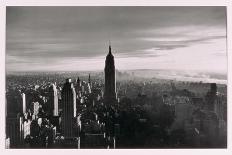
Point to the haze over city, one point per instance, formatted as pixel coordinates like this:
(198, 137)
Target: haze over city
(59, 38)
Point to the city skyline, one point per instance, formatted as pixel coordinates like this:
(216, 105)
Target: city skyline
(58, 38)
(96, 113)
(116, 77)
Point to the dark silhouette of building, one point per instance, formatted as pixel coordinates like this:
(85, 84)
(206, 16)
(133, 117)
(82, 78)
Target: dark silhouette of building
(89, 80)
(14, 130)
(213, 89)
(110, 83)
(78, 85)
(78, 81)
(211, 97)
(68, 109)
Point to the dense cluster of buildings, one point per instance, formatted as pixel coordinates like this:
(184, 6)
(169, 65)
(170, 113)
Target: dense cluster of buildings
(93, 114)
(203, 119)
(76, 115)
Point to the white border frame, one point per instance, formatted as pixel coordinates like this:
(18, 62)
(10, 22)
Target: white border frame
(4, 3)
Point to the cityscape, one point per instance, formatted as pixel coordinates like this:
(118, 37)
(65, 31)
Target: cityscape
(111, 107)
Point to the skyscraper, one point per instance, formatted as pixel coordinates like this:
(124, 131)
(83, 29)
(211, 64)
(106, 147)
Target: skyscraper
(53, 100)
(78, 82)
(69, 109)
(89, 79)
(211, 97)
(110, 83)
(24, 102)
(213, 89)
(89, 85)
(14, 130)
(78, 86)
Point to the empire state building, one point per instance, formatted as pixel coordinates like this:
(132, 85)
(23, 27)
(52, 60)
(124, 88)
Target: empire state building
(110, 83)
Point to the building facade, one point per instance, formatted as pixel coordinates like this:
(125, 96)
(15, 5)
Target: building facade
(110, 79)
(24, 103)
(53, 100)
(68, 109)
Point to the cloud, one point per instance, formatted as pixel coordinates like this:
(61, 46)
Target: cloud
(56, 38)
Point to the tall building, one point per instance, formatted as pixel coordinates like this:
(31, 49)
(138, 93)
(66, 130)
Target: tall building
(89, 85)
(53, 100)
(213, 89)
(24, 102)
(211, 97)
(89, 80)
(14, 131)
(78, 87)
(69, 109)
(78, 82)
(110, 82)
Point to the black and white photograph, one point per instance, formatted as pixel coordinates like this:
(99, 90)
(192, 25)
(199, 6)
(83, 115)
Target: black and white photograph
(116, 77)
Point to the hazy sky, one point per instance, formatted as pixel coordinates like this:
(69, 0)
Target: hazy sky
(76, 38)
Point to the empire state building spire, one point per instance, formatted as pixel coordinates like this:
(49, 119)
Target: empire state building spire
(110, 83)
(110, 47)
